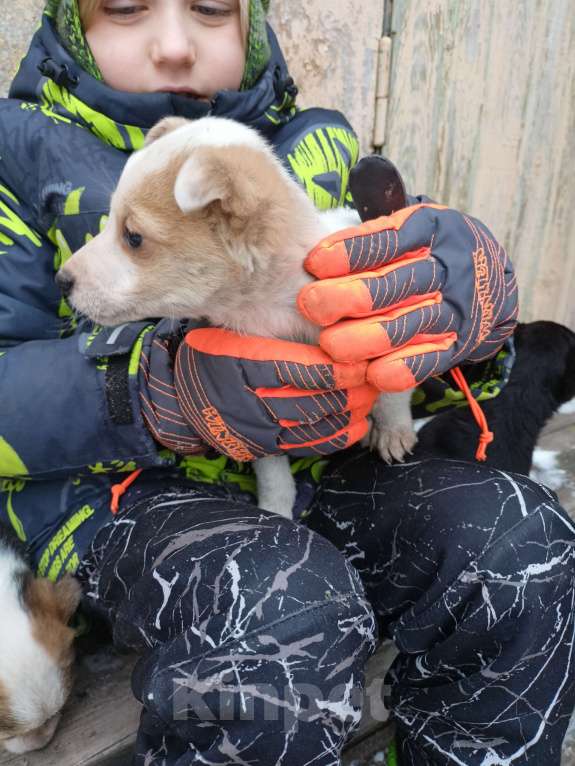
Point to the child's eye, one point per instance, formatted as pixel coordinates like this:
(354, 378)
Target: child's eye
(210, 10)
(125, 10)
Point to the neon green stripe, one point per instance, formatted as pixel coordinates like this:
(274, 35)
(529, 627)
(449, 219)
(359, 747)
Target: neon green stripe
(9, 194)
(137, 351)
(272, 119)
(137, 136)
(16, 225)
(72, 204)
(319, 153)
(10, 486)
(17, 525)
(99, 124)
(10, 462)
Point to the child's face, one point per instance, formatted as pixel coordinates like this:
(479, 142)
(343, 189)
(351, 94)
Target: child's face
(169, 45)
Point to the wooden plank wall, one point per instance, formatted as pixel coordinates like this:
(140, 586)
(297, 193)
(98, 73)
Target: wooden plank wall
(331, 47)
(482, 117)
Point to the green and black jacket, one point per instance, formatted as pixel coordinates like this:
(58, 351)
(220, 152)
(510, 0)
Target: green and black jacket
(70, 422)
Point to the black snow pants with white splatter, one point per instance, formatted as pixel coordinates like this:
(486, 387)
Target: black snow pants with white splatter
(254, 630)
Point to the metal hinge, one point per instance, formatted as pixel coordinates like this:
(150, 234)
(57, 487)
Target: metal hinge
(383, 77)
(382, 91)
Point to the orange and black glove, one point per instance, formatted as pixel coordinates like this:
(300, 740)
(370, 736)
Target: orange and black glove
(415, 293)
(249, 397)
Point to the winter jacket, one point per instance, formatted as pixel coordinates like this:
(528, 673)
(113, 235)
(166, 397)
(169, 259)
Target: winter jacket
(70, 421)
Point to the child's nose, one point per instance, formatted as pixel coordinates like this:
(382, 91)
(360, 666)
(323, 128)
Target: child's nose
(172, 44)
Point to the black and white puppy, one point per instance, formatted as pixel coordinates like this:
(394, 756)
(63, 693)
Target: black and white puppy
(36, 649)
(542, 379)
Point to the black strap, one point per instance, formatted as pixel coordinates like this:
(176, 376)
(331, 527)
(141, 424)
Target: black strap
(118, 390)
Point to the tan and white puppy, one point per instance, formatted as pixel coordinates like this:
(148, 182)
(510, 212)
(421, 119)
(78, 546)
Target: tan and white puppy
(36, 650)
(205, 222)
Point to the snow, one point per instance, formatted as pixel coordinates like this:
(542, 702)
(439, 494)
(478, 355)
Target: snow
(546, 469)
(568, 408)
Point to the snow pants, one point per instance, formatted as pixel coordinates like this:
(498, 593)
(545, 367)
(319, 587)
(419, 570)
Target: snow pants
(254, 630)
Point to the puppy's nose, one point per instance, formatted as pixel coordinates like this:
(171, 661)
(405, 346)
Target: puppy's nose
(65, 282)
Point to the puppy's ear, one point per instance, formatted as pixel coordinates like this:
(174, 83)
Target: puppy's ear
(235, 178)
(163, 127)
(201, 180)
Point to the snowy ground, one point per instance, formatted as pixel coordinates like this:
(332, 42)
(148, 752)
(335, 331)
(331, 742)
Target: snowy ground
(547, 469)
(569, 408)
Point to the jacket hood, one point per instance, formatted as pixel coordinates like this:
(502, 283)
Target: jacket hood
(50, 77)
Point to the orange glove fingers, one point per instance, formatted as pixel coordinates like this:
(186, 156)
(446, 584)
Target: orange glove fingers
(379, 335)
(277, 363)
(396, 285)
(370, 244)
(218, 342)
(410, 366)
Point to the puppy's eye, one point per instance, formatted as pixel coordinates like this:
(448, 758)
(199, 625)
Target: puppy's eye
(133, 239)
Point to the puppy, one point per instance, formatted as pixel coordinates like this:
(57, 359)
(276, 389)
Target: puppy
(542, 379)
(206, 223)
(36, 649)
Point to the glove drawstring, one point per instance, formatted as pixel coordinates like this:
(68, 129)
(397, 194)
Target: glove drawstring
(486, 436)
(119, 489)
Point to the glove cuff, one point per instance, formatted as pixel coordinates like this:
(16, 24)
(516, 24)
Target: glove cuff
(158, 397)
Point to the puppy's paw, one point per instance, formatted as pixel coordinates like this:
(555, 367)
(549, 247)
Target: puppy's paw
(392, 443)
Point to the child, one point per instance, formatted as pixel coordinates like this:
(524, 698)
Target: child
(254, 630)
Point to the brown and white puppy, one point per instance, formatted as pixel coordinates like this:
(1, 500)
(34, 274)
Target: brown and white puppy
(36, 650)
(206, 223)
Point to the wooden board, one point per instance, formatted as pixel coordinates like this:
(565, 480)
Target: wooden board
(481, 116)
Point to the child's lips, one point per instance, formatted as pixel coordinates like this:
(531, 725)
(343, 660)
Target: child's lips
(189, 92)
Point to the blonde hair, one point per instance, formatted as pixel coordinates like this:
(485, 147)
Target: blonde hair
(87, 10)
(89, 7)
